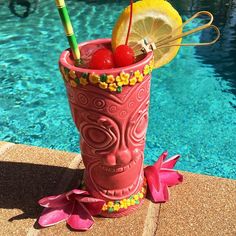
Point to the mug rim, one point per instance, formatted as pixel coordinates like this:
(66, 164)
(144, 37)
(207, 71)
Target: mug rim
(64, 55)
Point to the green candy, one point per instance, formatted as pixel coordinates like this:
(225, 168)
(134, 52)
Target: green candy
(103, 78)
(119, 89)
(85, 75)
(110, 209)
(77, 80)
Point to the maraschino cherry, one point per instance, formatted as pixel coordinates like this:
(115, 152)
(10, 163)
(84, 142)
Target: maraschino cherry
(102, 59)
(124, 56)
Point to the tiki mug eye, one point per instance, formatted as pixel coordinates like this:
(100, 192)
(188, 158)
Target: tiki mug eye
(101, 134)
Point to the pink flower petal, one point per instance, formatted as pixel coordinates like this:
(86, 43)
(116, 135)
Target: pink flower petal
(54, 201)
(170, 177)
(75, 192)
(80, 218)
(159, 162)
(152, 176)
(52, 216)
(170, 163)
(159, 196)
(93, 205)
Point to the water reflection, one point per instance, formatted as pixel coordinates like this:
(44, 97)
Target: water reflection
(221, 55)
(22, 8)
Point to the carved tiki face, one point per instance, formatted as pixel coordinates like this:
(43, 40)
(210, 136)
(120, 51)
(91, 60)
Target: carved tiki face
(112, 130)
(112, 137)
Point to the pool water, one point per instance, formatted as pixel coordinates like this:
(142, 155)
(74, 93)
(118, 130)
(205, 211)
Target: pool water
(192, 109)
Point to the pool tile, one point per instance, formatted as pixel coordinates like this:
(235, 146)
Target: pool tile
(37, 155)
(27, 174)
(132, 225)
(4, 147)
(202, 205)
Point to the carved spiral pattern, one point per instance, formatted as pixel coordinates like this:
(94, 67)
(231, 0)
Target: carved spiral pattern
(82, 99)
(138, 131)
(141, 94)
(99, 103)
(123, 114)
(112, 108)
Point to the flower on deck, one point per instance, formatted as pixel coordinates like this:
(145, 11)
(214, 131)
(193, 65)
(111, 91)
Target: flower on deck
(75, 207)
(94, 78)
(160, 176)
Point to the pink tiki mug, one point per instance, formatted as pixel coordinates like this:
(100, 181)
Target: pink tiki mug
(110, 111)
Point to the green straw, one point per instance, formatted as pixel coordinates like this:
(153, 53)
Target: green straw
(65, 19)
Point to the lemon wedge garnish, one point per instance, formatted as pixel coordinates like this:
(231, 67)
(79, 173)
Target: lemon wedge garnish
(152, 20)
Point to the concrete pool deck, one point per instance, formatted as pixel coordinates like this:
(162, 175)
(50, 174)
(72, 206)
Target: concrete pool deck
(202, 205)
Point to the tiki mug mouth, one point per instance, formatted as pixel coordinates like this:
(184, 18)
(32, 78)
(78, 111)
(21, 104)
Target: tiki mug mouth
(117, 182)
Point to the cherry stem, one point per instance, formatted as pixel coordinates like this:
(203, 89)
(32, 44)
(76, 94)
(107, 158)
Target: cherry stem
(130, 21)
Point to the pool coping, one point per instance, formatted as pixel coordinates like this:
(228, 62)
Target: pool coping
(202, 205)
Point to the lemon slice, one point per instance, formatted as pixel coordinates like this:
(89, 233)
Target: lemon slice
(152, 20)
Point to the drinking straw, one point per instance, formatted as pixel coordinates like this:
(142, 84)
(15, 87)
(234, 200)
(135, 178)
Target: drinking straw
(130, 21)
(65, 19)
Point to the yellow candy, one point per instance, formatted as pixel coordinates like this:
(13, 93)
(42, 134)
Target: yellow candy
(110, 204)
(132, 202)
(94, 78)
(133, 81)
(124, 76)
(137, 73)
(112, 87)
(116, 207)
(140, 78)
(136, 197)
(146, 70)
(151, 65)
(141, 195)
(72, 74)
(103, 85)
(128, 202)
(123, 201)
(83, 81)
(119, 81)
(110, 79)
(73, 83)
(104, 208)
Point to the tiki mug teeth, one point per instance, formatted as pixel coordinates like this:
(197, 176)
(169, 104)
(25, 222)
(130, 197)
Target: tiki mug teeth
(110, 111)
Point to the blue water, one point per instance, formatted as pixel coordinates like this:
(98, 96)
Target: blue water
(192, 108)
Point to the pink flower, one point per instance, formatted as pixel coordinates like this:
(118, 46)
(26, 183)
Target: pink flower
(160, 176)
(75, 207)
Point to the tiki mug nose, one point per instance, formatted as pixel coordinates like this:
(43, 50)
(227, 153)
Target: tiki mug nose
(123, 157)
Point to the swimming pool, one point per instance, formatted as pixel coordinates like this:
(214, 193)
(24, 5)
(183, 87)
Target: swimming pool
(192, 109)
